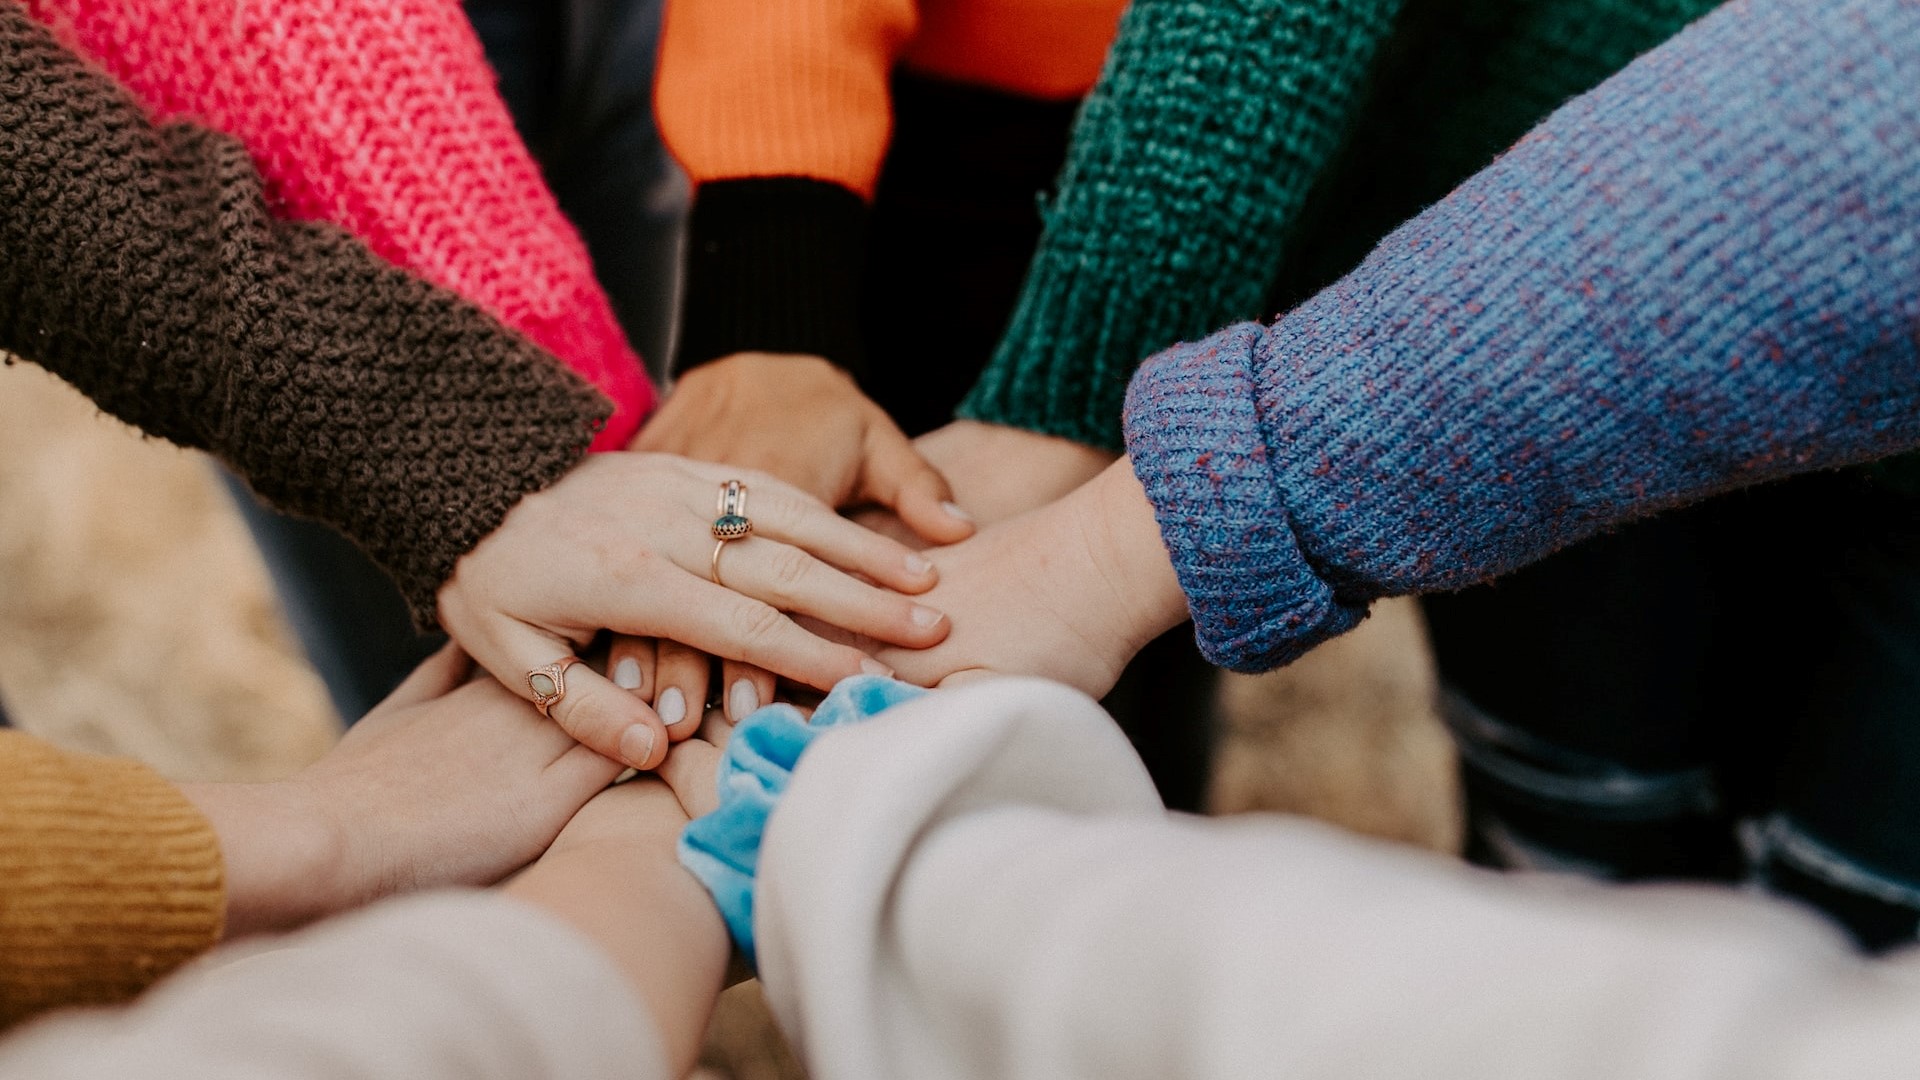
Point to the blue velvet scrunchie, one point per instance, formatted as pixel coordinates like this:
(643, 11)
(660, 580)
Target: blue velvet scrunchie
(722, 848)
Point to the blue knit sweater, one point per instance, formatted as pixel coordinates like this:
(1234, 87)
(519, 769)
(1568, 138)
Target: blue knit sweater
(1701, 275)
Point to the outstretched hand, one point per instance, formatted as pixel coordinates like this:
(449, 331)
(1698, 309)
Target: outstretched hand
(623, 543)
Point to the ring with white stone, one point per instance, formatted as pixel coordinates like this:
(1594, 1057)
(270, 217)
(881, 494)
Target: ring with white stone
(549, 684)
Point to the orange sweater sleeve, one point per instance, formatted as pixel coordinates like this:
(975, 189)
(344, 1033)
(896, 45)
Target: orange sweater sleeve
(755, 88)
(109, 878)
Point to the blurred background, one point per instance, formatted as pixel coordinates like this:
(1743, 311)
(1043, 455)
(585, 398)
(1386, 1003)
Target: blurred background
(136, 618)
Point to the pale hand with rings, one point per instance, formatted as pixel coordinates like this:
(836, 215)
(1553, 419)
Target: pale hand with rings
(622, 543)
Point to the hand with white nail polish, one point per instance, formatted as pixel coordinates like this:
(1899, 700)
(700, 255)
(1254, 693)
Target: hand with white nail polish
(624, 543)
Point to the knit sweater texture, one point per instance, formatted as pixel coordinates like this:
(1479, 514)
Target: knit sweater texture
(143, 266)
(109, 878)
(1702, 275)
(380, 116)
(1197, 177)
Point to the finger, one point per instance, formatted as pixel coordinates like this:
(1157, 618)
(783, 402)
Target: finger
(790, 579)
(437, 676)
(782, 512)
(598, 714)
(690, 772)
(716, 728)
(746, 688)
(897, 476)
(681, 673)
(630, 664)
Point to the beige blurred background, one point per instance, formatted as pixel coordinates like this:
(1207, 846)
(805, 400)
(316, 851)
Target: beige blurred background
(136, 618)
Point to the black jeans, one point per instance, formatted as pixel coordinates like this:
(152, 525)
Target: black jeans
(1727, 692)
(578, 78)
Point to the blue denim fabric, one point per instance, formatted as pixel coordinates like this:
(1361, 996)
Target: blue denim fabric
(578, 77)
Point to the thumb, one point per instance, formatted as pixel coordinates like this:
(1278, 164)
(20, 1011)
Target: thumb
(896, 476)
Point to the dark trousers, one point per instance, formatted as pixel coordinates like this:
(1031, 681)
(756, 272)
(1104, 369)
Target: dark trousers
(1727, 692)
(578, 78)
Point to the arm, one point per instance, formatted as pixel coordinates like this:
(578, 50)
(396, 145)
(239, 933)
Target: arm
(1696, 277)
(381, 117)
(110, 877)
(602, 959)
(143, 267)
(982, 883)
(1189, 165)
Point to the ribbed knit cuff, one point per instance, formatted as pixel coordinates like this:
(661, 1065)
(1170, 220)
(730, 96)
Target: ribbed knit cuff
(109, 879)
(774, 265)
(1194, 433)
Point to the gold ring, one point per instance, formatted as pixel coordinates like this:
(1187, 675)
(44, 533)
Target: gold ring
(732, 524)
(549, 684)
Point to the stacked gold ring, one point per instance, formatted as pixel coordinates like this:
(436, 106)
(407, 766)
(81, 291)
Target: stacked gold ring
(732, 524)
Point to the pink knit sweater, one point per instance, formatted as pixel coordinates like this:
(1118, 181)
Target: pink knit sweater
(380, 116)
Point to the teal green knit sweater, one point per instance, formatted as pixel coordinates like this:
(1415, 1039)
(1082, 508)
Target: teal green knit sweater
(1226, 133)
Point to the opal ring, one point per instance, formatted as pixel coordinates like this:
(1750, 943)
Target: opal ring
(549, 684)
(732, 524)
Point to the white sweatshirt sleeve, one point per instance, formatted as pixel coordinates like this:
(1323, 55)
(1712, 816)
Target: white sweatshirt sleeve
(981, 883)
(447, 986)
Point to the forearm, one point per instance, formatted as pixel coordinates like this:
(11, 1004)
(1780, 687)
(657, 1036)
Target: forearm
(282, 860)
(649, 917)
(1694, 278)
(143, 267)
(1163, 229)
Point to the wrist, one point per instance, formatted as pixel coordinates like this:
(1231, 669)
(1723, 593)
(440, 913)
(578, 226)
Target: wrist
(284, 855)
(1128, 558)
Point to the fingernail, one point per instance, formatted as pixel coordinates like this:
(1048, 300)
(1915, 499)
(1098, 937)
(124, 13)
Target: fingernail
(918, 564)
(636, 745)
(953, 510)
(672, 706)
(925, 616)
(626, 674)
(875, 667)
(742, 699)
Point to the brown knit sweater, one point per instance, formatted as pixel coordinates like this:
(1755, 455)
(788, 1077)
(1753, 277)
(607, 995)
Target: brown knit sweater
(109, 878)
(140, 264)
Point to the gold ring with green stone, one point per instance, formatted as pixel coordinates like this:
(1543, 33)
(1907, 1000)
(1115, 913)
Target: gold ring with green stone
(549, 684)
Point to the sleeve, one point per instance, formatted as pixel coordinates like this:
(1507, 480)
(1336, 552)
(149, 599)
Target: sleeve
(1188, 166)
(779, 110)
(381, 117)
(109, 879)
(143, 267)
(449, 986)
(1696, 277)
(981, 883)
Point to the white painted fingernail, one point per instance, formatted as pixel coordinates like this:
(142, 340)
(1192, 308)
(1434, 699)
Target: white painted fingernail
(954, 510)
(925, 616)
(672, 706)
(742, 699)
(918, 564)
(636, 745)
(626, 674)
(875, 667)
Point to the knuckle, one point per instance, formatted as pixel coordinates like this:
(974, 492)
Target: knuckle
(789, 569)
(756, 626)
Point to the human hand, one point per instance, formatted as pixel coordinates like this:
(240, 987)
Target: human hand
(803, 420)
(441, 784)
(998, 472)
(623, 543)
(1069, 591)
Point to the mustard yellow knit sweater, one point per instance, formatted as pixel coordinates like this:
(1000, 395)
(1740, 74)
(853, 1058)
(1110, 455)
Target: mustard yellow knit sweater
(109, 878)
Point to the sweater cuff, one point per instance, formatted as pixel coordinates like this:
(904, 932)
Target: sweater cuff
(1197, 445)
(774, 265)
(109, 879)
